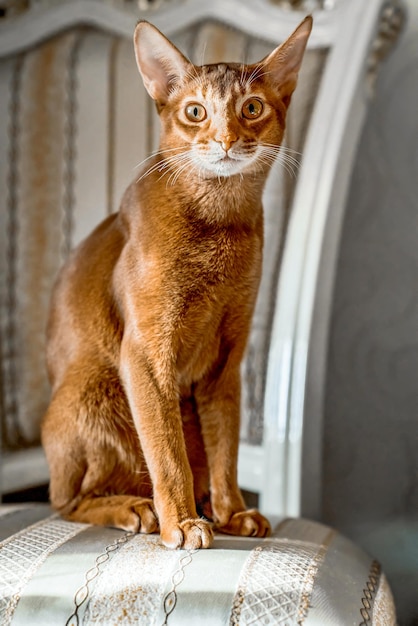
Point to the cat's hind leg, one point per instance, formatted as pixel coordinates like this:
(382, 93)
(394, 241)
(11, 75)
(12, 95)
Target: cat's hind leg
(97, 472)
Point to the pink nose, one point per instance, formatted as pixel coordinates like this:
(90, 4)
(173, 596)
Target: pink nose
(227, 141)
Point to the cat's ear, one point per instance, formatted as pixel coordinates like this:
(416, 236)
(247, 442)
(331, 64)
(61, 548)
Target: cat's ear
(159, 62)
(283, 64)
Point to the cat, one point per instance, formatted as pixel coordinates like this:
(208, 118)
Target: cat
(150, 314)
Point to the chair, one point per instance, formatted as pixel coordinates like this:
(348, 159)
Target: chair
(76, 122)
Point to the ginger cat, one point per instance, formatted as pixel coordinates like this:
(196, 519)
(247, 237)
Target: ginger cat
(150, 315)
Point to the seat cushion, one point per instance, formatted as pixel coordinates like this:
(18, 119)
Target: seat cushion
(57, 572)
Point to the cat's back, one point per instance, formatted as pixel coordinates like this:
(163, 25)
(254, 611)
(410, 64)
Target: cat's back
(83, 311)
(90, 265)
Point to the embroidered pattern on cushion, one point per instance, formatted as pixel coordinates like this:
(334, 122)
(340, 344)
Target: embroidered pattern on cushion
(384, 613)
(82, 594)
(276, 583)
(369, 593)
(23, 553)
(132, 586)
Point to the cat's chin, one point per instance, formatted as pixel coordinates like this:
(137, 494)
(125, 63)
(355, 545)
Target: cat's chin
(225, 168)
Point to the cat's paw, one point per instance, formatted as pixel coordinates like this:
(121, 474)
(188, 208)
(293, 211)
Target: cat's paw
(191, 534)
(130, 513)
(138, 517)
(247, 524)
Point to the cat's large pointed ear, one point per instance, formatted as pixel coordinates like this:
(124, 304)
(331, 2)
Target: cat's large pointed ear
(159, 62)
(283, 64)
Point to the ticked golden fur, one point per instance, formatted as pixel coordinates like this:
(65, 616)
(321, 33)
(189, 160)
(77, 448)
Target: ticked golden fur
(150, 315)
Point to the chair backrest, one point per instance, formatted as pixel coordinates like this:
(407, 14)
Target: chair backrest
(76, 122)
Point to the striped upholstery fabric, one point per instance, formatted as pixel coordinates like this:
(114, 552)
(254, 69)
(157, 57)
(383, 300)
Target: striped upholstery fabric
(75, 124)
(56, 572)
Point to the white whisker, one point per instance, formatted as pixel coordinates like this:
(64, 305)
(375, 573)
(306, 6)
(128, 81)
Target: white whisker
(158, 153)
(203, 52)
(159, 163)
(172, 180)
(252, 76)
(166, 162)
(271, 153)
(194, 76)
(177, 166)
(282, 148)
(258, 72)
(242, 75)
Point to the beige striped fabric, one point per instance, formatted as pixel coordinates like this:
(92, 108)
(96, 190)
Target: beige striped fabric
(74, 128)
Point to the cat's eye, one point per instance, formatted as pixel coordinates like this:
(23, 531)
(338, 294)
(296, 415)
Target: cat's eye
(252, 108)
(195, 112)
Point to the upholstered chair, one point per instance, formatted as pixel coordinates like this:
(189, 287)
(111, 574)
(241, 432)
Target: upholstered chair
(75, 124)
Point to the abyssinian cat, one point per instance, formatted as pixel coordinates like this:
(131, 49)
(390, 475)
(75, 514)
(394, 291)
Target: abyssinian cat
(150, 315)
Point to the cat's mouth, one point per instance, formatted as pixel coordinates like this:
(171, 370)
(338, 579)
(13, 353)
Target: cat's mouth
(227, 159)
(230, 164)
(227, 165)
(224, 164)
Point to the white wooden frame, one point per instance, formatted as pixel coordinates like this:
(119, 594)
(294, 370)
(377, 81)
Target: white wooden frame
(289, 465)
(286, 469)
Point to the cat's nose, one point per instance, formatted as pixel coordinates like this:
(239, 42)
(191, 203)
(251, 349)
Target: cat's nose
(226, 141)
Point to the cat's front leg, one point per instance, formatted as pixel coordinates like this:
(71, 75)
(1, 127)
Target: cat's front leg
(155, 407)
(218, 401)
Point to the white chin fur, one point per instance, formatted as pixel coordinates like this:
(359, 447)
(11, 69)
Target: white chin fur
(226, 168)
(223, 167)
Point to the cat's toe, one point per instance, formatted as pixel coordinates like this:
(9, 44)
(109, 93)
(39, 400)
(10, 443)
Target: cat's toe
(247, 524)
(137, 516)
(147, 519)
(191, 534)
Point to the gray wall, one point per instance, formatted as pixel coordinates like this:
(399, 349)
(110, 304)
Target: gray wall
(371, 413)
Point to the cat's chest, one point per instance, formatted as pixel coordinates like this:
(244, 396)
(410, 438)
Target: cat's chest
(188, 291)
(216, 256)
(215, 289)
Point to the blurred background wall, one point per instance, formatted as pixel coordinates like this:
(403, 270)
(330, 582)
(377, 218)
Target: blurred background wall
(370, 482)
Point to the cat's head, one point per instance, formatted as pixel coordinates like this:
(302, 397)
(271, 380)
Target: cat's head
(222, 119)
